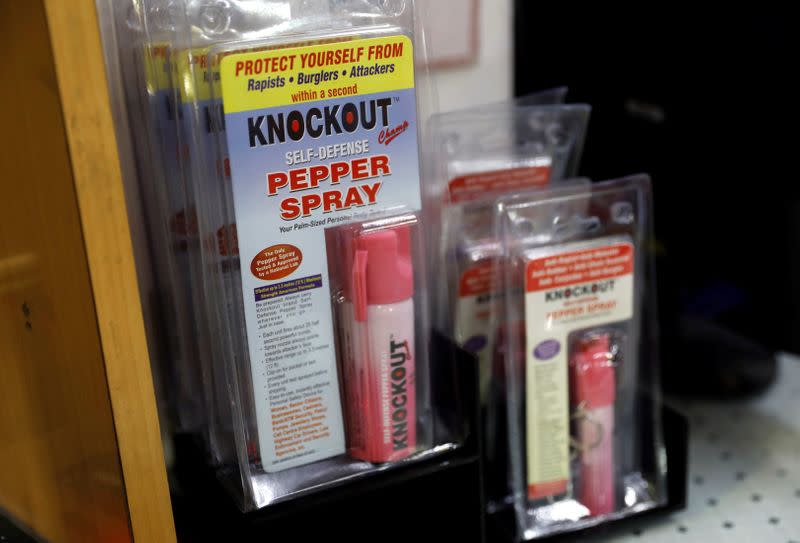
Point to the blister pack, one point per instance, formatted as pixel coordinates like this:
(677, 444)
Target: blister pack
(579, 346)
(476, 156)
(145, 64)
(295, 144)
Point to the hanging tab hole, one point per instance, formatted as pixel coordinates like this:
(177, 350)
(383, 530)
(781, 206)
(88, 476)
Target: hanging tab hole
(524, 227)
(622, 213)
(591, 225)
(556, 134)
(166, 17)
(536, 122)
(215, 17)
(451, 142)
(393, 7)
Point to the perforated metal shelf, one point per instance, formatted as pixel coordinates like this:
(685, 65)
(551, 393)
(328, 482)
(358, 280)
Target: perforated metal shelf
(744, 466)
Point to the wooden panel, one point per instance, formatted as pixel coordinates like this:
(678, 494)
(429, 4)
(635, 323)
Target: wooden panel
(78, 55)
(59, 463)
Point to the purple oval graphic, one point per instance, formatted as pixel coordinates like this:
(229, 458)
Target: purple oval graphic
(547, 349)
(475, 343)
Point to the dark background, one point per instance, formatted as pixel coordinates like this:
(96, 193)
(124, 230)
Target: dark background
(706, 103)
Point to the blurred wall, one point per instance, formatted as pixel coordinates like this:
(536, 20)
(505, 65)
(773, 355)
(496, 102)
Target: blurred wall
(489, 78)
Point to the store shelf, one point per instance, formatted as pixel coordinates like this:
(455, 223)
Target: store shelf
(744, 471)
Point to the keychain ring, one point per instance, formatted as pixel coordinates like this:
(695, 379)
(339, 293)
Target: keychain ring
(581, 413)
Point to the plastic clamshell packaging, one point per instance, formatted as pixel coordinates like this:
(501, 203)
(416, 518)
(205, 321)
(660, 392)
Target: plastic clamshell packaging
(579, 350)
(146, 89)
(477, 156)
(293, 122)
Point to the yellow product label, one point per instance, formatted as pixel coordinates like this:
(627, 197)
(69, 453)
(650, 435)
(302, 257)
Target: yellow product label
(157, 67)
(197, 74)
(292, 75)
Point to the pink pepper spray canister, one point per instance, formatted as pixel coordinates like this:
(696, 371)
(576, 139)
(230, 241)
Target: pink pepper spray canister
(383, 345)
(594, 394)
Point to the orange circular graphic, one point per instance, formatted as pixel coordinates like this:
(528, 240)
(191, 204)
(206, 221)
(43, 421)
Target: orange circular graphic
(276, 262)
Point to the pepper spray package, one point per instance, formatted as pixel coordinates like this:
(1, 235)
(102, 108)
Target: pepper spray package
(299, 125)
(478, 156)
(584, 426)
(215, 257)
(148, 95)
(287, 192)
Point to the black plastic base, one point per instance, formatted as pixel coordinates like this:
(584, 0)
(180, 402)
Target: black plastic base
(435, 499)
(676, 442)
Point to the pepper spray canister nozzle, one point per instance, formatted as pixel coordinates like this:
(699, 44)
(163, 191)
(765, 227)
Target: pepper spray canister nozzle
(382, 272)
(594, 376)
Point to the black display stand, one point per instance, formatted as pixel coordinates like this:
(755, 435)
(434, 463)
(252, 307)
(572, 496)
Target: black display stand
(435, 499)
(500, 526)
(438, 499)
